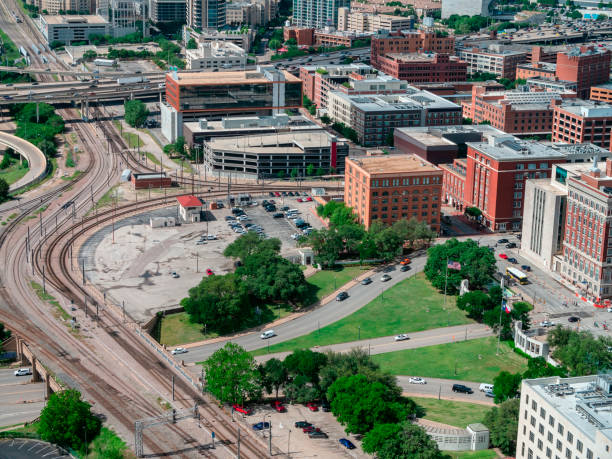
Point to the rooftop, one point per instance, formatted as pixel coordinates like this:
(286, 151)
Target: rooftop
(603, 86)
(546, 66)
(587, 108)
(189, 201)
(248, 124)
(412, 99)
(78, 19)
(291, 142)
(232, 77)
(506, 147)
(430, 139)
(393, 164)
(584, 401)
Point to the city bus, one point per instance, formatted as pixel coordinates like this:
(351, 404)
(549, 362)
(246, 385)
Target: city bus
(519, 276)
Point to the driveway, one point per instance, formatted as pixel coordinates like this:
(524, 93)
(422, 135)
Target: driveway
(443, 389)
(20, 399)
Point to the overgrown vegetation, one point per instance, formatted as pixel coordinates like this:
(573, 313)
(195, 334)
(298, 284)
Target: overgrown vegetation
(41, 130)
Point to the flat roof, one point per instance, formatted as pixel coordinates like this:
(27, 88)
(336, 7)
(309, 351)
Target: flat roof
(74, 19)
(427, 138)
(290, 142)
(231, 77)
(510, 148)
(587, 108)
(393, 164)
(412, 99)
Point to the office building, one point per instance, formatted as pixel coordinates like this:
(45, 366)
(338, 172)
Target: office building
(68, 29)
(545, 70)
(126, 16)
(216, 55)
(331, 39)
(602, 93)
(265, 91)
(268, 155)
(410, 41)
(355, 21)
(586, 65)
(502, 63)
(453, 183)
(581, 121)
(206, 14)
(389, 188)
(545, 84)
(317, 13)
(516, 111)
(54, 7)
(168, 10)
(242, 38)
(303, 36)
(421, 67)
(565, 418)
(465, 7)
(253, 12)
(375, 117)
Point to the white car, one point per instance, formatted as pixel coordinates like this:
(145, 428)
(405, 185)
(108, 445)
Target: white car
(546, 323)
(267, 334)
(211, 237)
(179, 350)
(23, 372)
(385, 278)
(243, 218)
(609, 309)
(175, 274)
(402, 337)
(417, 381)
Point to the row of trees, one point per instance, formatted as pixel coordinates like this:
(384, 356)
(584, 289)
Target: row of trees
(136, 112)
(41, 130)
(364, 399)
(345, 238)
(580, 352)
(228, 302)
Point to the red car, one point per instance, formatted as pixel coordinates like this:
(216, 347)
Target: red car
(308, 199)
(300, 200)
(242, 409)
(311, 429)
(503, 255)
(312, 407)
(277, 194)
(209, 272)
(278, 406)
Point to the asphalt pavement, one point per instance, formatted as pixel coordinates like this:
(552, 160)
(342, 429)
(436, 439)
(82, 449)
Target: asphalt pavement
(443, 389)
(359, 296)
(20, 399)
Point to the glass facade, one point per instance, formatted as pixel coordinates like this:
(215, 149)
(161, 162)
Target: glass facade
(215, 14)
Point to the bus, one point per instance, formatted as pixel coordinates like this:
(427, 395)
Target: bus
(519, 276)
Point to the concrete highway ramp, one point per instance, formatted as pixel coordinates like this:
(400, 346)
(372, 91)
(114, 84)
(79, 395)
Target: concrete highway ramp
(36, 160)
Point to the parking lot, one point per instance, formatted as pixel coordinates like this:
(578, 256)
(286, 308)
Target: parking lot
(285, 434)
(20, 399)
(134, 263)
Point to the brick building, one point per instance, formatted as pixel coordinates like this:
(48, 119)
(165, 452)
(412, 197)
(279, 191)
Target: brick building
(304, 36)
(581, 121)
(423, 67)
(332, 39)
(502, 63)
(537, 69)
(516, 112)
(586, 65)
(453, 183)
(410, 41)
(393, 187)
(602, 92)
(150, 180)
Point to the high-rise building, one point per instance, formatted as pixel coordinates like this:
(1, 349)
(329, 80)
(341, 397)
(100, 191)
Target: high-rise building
(465, 7)
(317, 13)
(206, 14)
(168, 10)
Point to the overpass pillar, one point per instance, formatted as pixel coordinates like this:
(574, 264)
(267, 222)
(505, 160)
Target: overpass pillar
(47, 387)
(131, 96)
(82, 108)
(86, 109)
(35, 374)
(20, 344)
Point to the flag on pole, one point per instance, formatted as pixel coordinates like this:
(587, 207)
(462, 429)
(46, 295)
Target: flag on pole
(454, 265)
(506, 307)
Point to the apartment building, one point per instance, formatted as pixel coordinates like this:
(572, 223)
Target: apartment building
(410, 41)
(253, 12)
(356, 21)
(317, 13)
(206, 14)
(393, 187)
(580, 121)
(565, 418)
(502, 63)
(168, 10)
(216, 55)
(423, 67)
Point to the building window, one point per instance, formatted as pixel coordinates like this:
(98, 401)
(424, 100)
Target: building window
(540, 444)
(570, 437)
(551, 421)
(541, 429)
(542, 413)
(579, 445)
(560, 428)
(589, 454)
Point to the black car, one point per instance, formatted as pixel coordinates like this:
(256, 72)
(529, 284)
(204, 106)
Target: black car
(511, 245)
(512, 260)
(526, 267)
(277, 215)
(271, 194)
(405, 268)
(573, 319)
(284, 208)
(503, 241)
(463, 389)
(302, 424)
(341, 296)
(325, 407)
(316, 434)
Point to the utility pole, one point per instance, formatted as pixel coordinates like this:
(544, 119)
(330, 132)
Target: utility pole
(83, 269)
(173, 388)
(501, 284)
(238, 443)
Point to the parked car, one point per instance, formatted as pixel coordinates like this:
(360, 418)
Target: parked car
(174, 274)
(325, 407)
(485, 387)
(573, 319)
(179, 350)
(277, 215)
(405, 261)
(366, 281)
(385, 278)
(267, 334)
(463, 389)
(489, 393)
(341, 296)
(546, 323)
(241, 409)
(513, 260)
(402, 337)
(209, 272)
(211, 237)
(312, 407)
(416, 380)
(526, 268)
(503, 241)
(261, 426)
(511, 245)
(23, 372)
(309, 199)
(278, 406)
(317, 434)
(310, 428)
(346, 443)
(503, 256)
(404, 268)
(302, 424)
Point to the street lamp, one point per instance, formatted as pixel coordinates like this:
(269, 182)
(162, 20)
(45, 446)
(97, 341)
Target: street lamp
(359, 333)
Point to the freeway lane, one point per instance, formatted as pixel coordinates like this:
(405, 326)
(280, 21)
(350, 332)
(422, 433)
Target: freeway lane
(359, 296)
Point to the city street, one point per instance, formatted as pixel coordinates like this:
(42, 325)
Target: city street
(20, 400)
(444, 389)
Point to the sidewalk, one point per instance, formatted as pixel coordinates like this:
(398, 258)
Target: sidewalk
(152, 147)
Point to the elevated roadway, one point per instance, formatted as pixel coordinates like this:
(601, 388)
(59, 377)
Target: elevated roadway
(36, 160)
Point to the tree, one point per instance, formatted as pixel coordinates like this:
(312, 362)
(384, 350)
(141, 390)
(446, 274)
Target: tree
(310, 169)
(538, 368)
(90, 55)
(6, 161)
(4, 190)
(191, 44)
(274, 44)
(5, 333)
(475, 303)
(378, 436)
(325, 120)
(580, 352)
(347, 364)
(320, 171)
(301, 390)
(294, 173)
(136, 113)
(477, 264)
(502, 422)
(250, 244)
(274, 375)
(66, 420)
(506, 385)
(389, 139)
(411, 442)
(307, 363)
(231, 375)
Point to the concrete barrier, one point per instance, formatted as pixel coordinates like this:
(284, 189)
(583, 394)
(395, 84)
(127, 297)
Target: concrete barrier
(37, 161)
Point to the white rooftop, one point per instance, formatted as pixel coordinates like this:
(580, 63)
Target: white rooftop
(588, 108)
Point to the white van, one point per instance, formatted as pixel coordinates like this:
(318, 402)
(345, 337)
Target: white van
(293, 211)
(267, 334)
(486, 387)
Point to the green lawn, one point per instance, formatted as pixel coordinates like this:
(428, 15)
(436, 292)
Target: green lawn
(14, 172)
(409, 306)
(458, 414)
(484, 454)
(472, 360)
(325, 282)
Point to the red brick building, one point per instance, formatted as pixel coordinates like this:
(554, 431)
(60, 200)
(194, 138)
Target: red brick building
(602, 92)
(304, 36)
(453, 183)
(411, 41)
(418, 67)
(389, 188)
(150, 180)
(581, 121)
(586, 65)
(536, 69)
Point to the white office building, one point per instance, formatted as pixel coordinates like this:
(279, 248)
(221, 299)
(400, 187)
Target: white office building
(465, 7)
(216, 55)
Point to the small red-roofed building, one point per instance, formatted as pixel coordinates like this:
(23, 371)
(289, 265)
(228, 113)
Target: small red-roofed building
(190, 208)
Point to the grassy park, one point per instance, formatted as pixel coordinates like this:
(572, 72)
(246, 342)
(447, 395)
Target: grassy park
(472, 360)
(325, 282)
(458, 414)
(14, 172)
(409, 306)
(484, 454)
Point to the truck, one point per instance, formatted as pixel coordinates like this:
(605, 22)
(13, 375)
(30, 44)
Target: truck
(132, 80)
(22, 51)
(104, 62)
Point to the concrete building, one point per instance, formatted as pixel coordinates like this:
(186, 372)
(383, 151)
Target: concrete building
(474, 437)
(565, 417)
(267, 155)
(71, 28)
(317, 13)
(216, 55)
(355, 21)
(602, 93)
(532, 342)
(516, 111)
(125, 16)
(55, 6)
(375, 117)
(410, 41)
(545, 84)
(265, 91)
(206, 14)
(423, 67)
(190, 208)
(253, 12)
(389, 188)
(242, 38)
(580, 121)
(465, 7)
(545, 70)
(168, 10)
(502, 63)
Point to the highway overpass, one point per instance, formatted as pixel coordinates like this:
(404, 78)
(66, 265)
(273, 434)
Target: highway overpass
(36, 160)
